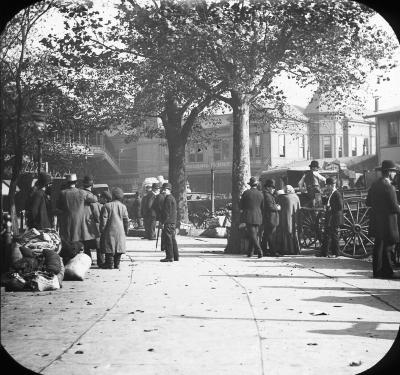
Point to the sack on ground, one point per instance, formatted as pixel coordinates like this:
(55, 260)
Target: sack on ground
(13, 282)
(60, 275)
(52, 261)
(15, 253)
(42, 281)
(77, 267)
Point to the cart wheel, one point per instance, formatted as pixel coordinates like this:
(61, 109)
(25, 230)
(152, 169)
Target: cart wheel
(310, 228)
(355, 242)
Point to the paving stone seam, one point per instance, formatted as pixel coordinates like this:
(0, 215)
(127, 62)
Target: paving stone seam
(59, 357)
(354, 286)
(251, 309)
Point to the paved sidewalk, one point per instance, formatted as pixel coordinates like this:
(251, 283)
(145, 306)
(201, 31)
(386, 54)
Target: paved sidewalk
(209, 313)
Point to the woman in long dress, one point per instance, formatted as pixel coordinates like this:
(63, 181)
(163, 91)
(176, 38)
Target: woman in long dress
(288, 241)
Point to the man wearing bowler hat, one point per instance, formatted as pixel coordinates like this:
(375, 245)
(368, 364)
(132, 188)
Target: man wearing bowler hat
(270, 219)
(71, 204)
(252, 206)
(385, 210)
(311, 183)
(168, 218)
(39, 210)
(150, 214)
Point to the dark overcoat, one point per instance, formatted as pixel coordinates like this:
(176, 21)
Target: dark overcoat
(334, 214)
(385, 210)
(71, 204)
(158, 205)
(90, 228)
(39, 213)
(252, 205)
(169, 210)
(270, 212)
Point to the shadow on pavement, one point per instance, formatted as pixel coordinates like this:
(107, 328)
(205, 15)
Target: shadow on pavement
(361, 329)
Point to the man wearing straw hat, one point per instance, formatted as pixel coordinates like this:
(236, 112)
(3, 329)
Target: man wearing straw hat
(385, 210)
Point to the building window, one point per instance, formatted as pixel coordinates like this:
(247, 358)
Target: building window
(353, 146)
(340, 147)
(251, 146)
(195, 155)
(221, 150)
(365, 147)
(301, 147)
(257, 145)
(281, 145)
(393, 132)
(327, 146)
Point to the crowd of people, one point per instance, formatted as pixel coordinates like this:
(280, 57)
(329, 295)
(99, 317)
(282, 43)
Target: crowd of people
(270, 218)
(101, 222)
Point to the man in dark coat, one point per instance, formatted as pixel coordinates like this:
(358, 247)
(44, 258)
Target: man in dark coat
(150, 214)
(252, 205)
(134, 210)
(333, 220)
(158, 205)
(270, 219)
(385, 210)
(168, 218)
(39, 210)
(71, 205)
(90, 230)
(143, 209)
(311, 183)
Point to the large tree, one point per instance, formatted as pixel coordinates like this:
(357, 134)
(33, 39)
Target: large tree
(244, 46)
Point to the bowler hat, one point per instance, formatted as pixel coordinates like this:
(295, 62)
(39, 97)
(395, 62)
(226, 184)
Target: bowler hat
(388, 165)
(155, 186)
(43, 179)
(269, 183)
(253, 181)
(71, 177)
(87, 181)
(330, 181)
(314, 164)
(166, 185)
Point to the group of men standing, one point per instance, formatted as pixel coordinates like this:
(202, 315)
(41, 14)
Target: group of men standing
(260, 214)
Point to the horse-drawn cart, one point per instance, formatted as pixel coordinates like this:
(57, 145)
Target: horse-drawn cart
(354, 239)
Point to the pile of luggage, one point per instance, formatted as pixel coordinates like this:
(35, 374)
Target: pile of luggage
(40, 261)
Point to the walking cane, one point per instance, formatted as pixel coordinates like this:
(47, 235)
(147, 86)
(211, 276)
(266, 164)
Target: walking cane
(158, 234)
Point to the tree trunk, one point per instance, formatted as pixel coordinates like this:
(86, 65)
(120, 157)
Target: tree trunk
(177, 177)
(240, 165)
(176, 148)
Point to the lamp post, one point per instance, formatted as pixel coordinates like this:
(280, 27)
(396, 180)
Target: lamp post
(212, 189)
(39, 121)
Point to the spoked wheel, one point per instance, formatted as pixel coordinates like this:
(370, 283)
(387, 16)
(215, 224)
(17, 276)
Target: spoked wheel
(355, 242)
(310, 227)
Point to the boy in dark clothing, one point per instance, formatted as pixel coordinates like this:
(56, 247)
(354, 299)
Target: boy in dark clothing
(333, 220)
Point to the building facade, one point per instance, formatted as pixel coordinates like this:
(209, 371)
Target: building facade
(387, 134)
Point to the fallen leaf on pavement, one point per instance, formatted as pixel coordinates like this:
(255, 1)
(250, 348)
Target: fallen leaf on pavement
(337, 306)
(355, 363)
(79, 352)
(150, 350)
(312, 343)
(315, 313)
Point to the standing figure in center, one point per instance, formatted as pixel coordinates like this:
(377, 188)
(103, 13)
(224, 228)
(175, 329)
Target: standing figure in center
(168, 218)
(270, 219)
(252, 206)
(311, 184)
